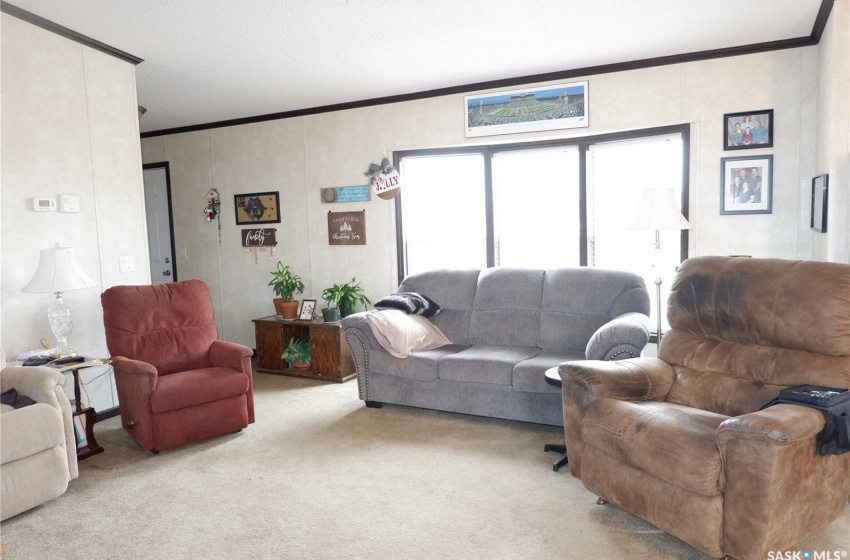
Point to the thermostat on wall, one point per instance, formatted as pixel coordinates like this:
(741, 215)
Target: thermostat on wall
(43, 204)
(69, 203)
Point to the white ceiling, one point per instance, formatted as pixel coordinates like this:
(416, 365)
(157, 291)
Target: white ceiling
(213, 60)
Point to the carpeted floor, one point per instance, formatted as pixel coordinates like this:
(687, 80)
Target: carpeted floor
(319, 476)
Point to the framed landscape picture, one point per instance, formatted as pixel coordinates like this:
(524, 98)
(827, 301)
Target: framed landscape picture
(257, 208)
(746, 185)
(527, 110)
(747, 130)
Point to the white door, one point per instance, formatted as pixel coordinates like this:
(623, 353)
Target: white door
(158, 210)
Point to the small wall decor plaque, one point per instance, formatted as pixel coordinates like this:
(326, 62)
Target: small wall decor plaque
(257, 208)
(347, 228)
(385, 179)
(259, 240)
(259, 237)
(358, 193)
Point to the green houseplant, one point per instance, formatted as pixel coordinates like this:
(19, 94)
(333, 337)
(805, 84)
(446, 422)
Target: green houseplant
(285, 285)
(298, 353)
(345, 297)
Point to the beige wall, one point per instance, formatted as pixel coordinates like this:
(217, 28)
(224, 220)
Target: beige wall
(69, 126)
(833, 136)
(301, 155)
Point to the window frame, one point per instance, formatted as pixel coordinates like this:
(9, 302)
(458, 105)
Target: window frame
(583, 143)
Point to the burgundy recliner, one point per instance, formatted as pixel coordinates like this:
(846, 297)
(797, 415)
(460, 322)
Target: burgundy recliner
(176, 383)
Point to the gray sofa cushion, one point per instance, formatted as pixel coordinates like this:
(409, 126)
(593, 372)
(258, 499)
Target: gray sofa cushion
(507, 307)
(421, 366)
(577, 301)
(454, 291)
(484, 363)
(528, 374)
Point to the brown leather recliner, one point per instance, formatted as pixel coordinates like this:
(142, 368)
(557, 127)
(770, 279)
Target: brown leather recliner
(679, 440)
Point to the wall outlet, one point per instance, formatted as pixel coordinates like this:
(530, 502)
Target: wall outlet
(126, 264)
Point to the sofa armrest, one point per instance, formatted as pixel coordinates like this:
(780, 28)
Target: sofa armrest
(141, 375)
(361, 342)
(45, 385)
(230, 355)
(586, 381)
(37, 383)
(238, 357)
(779, 424)
(776, 488)
(358, 321)
(622, 337)
(636, 379)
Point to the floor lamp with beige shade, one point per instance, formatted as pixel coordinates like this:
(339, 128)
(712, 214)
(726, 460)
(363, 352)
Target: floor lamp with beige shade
(658, 211)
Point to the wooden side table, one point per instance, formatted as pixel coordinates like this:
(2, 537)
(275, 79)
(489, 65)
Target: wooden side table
(91, 447)
(331, 357)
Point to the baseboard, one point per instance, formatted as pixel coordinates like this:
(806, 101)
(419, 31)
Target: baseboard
(108, 413)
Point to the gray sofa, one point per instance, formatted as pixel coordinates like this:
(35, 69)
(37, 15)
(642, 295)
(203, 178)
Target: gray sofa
(508, 326)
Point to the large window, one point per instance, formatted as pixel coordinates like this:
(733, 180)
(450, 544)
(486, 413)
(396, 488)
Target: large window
(535, 194)
(542, 205)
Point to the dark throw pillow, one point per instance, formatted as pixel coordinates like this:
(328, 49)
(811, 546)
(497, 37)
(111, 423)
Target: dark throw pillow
(410, 303)
(12, 398)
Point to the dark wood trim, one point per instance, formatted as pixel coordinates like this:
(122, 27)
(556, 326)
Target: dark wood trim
(507, 82)
(400, 252)
(489, 210)
(582, 204)
(821, 19)
(39, 21)
(164, 165)
(106, 414)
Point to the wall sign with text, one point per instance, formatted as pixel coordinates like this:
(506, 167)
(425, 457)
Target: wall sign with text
(347, 228)
(259, 237)
(358, 193)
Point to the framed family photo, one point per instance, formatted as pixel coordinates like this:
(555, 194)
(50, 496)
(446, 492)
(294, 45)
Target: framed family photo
(746, 185)
(747, 130)
(257, 208)
(527, 110)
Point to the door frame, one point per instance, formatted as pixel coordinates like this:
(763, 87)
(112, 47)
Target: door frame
(164, 165)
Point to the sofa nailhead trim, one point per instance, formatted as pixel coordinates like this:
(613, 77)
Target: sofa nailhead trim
(620, 352)
(364, 387)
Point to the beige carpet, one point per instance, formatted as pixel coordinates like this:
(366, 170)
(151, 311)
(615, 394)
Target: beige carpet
(321, 476)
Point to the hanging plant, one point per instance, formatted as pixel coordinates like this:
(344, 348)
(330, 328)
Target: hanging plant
(385, 179)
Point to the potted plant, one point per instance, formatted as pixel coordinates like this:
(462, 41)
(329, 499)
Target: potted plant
(285, 284)
(298, 353)
(344, 298)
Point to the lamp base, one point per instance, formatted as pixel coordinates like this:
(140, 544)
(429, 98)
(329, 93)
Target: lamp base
(61, 320)
(63, 352)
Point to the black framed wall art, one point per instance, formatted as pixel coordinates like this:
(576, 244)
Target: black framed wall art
(746, 185)
(820, 202)
(748, 129)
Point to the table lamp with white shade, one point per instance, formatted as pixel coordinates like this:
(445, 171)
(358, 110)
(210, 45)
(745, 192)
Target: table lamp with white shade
(58, 271)
(658, 211)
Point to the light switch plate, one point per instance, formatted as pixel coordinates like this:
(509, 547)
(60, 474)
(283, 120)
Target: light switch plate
(69, 203)
(126, 264)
